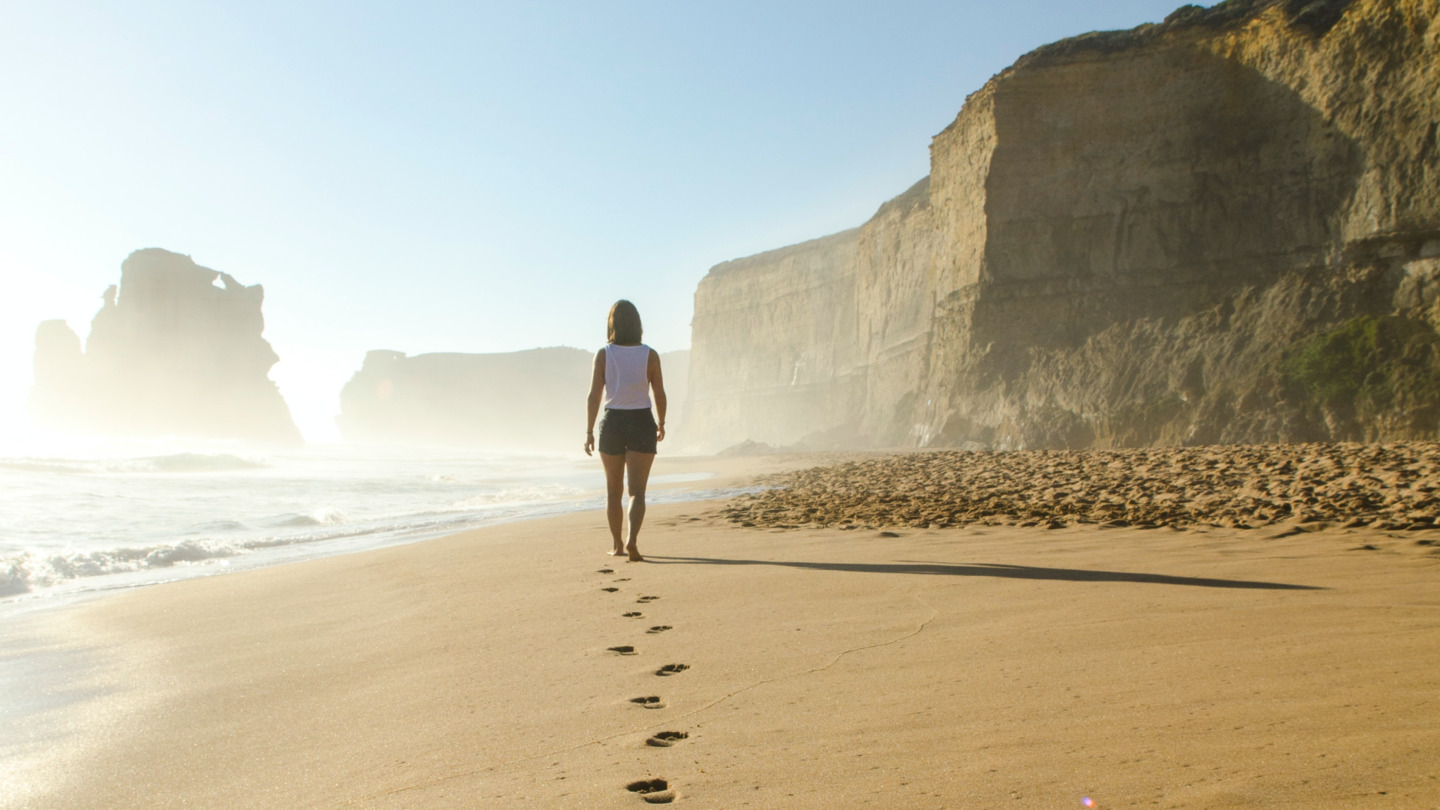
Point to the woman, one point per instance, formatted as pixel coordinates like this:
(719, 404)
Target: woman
(626, 371)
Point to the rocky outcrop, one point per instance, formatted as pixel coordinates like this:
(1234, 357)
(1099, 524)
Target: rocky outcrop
(530, 400)
(1221, 228)
(175, 350)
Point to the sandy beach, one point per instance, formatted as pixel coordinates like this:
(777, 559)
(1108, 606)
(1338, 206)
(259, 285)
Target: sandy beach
(871, 665)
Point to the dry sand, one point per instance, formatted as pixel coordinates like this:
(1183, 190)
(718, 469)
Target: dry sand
(976, 667)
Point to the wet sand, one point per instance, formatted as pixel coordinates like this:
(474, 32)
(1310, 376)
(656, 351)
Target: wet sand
(893, 666)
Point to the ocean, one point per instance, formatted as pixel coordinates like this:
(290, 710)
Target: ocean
(102, 518)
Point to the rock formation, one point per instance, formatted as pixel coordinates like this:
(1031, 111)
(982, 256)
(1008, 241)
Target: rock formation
(170, 353)
(517, 401)
(776, 336)
(1221, 228)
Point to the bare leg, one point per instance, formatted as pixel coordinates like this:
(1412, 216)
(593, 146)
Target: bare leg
(615, 497)
(639, 464)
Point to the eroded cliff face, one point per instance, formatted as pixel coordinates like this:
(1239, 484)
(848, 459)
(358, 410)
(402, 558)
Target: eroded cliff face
(775, 337)
(177, 349)
(1175, 234)
(516, 401)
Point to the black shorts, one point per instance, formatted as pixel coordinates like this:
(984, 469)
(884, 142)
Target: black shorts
(622, 430)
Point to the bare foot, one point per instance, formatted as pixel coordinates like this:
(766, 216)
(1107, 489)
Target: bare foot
(634, 552)
(616, 552)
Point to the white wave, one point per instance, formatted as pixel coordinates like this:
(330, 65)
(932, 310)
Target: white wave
(324, 516)
(14, 577)
(203, 462)
(31, 571)
(329, 515)
(176, 463)
(518, 495)
(218, 526)
(37, 570)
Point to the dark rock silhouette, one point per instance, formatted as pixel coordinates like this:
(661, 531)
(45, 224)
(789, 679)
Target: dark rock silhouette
(169, 353)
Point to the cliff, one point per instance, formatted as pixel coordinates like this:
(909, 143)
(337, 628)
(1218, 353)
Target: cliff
(175, 350)
(1221, 228)
(775, 337)
(530, 400)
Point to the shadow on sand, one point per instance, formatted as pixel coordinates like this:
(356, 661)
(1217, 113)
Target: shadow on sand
(992, 570)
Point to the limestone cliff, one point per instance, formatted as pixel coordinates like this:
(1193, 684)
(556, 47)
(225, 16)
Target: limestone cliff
(175, 350)
(1221, 228)
(775, 337)
(517, 401)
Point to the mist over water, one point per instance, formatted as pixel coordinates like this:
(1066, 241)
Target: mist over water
(98, 517)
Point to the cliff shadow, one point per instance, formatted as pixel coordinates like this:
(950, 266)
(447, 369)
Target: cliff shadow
(1004, 571)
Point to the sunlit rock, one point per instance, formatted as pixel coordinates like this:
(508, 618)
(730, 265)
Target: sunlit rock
(1217, 229)
(176, 350)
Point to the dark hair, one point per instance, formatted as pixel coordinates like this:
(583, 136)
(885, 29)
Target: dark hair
(624, 324)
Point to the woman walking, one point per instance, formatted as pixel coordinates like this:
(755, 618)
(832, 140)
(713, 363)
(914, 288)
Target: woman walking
(626, 371)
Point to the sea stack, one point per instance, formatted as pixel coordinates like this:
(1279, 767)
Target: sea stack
(176, 350)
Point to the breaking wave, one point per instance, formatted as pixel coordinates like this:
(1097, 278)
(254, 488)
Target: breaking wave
(33, 570)
(520, 495)
(176, 463)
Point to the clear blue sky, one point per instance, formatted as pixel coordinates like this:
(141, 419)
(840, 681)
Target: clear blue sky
(470, 177)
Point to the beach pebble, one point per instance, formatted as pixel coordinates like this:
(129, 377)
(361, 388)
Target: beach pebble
(1306, 486)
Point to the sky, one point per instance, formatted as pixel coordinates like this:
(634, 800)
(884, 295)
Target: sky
(464, 176)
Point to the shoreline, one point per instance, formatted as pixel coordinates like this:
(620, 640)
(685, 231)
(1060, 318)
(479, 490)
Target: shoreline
(934, 667)
(52, 672)
(678, 478)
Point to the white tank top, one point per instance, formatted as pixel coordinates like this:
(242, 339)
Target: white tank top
(627, 377)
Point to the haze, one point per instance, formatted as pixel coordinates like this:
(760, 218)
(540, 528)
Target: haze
(446, 177)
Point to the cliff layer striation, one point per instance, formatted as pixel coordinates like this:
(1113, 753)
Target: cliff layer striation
(1220, 228)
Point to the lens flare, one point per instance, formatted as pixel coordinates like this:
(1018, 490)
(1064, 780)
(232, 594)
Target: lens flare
(1087, 801)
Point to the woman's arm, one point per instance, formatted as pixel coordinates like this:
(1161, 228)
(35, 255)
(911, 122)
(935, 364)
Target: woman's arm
(592, 404)
(657, 385)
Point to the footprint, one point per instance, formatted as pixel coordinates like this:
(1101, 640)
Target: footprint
(651, 702)
(624, 649)
(610, 590)
(634, 614)
(665, 739)
(659, 628)
(621, 579)
(672, 669)
(606, 571)
(647, 599)
(654, 791)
